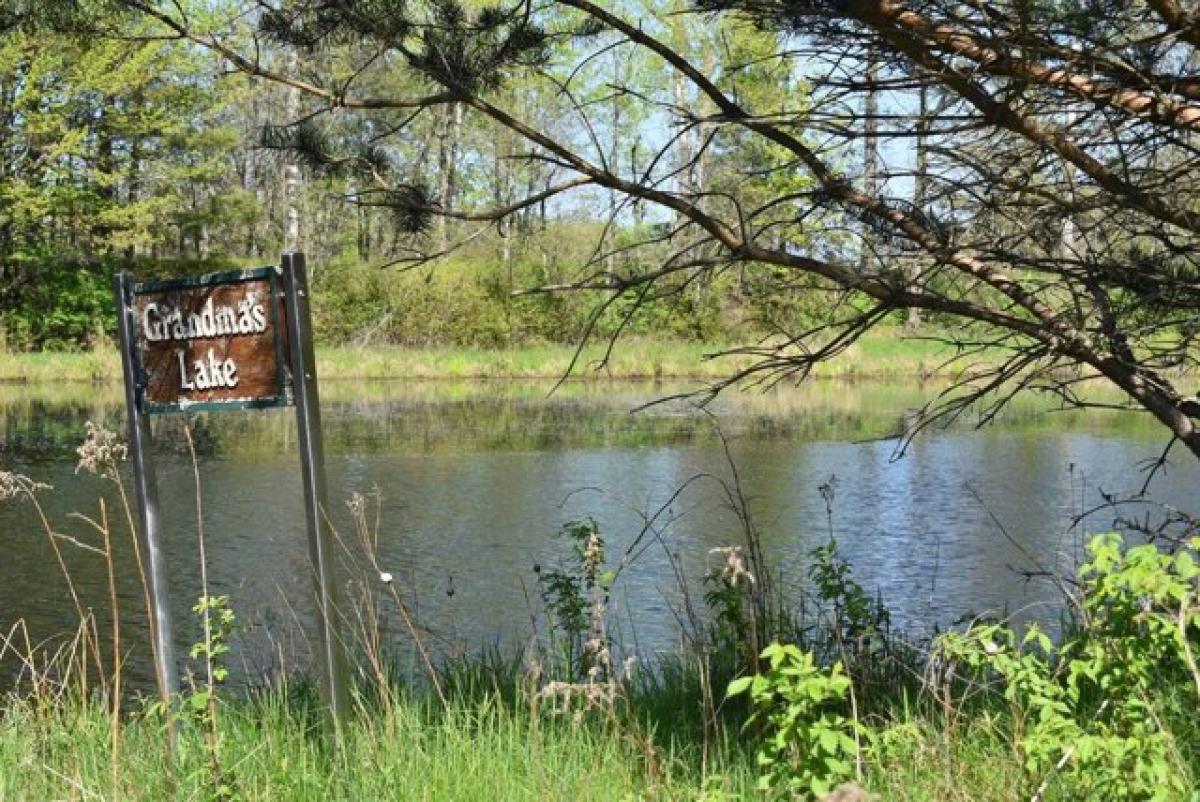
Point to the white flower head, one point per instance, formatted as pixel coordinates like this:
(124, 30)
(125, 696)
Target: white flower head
(734, 572)
(385, 577)
(16, 484)
(101, 452)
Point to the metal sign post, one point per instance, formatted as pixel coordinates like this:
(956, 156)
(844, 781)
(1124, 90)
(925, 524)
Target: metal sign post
(233, 340)
(146, 485)
(312, 466)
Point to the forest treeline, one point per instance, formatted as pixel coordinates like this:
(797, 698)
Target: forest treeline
(135, 153)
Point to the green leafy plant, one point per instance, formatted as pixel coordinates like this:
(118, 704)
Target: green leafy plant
(1086, 714)
(856, 629)
(68, 306)
(728, 595)
(576, 597)
(860, 620)
(808, 745)
(201, 702)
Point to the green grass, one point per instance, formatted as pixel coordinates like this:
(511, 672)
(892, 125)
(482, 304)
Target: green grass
(52, 366)
(485, 735)
(632, 359)
(883, 354)
(272, 748)
(487, 744)
(481, 748)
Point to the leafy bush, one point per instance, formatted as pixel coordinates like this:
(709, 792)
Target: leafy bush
(61, 306)
(1087, 715)
(48, 304)
(1090, 718)
(808, 745)
(576, 598)
(860, 623)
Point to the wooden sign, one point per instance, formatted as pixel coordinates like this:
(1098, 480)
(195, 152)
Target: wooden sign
(232, 340)
(211, 342)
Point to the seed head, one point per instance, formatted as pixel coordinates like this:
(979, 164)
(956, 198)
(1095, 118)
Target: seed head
(16, 484)
(734, 571)
(101, 452)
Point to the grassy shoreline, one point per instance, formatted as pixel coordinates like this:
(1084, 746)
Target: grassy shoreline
(494, 739)
(976, 714)
(482, 745)
(883, 354)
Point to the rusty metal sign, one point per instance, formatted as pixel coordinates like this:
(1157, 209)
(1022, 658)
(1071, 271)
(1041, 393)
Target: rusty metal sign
(211, 342)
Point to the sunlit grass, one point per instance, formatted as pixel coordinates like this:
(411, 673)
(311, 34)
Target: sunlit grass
(886, 353)
(273, 749)
(487, 744)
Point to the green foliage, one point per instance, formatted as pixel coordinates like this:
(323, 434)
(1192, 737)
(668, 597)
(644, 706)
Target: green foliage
(220, 620)
(859, 623)
(62, 307)
(112, 151)
(1087, 715)
(68, 306)
(574, 596)
(108, 147)
(201, 702)
(128, 153)
(1094, 718)
(808, 745)
(858, 615)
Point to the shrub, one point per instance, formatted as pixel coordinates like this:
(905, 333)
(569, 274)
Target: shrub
(808, 745)
(1086, 715)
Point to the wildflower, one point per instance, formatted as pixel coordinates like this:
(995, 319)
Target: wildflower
(385, 577)
(15, 484)
(582, 697)
(734, 572)
(100, 452)
(593, 553)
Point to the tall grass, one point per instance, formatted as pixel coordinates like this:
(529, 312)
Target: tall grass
(479, 749)
(485, 745)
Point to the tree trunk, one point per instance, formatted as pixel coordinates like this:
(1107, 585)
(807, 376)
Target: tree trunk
(448, 137)
(920, 195)
(134, 190)
(870, 143)
(1071, 243)
(291, 170)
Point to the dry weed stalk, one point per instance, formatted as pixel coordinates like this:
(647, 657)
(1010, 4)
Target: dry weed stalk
(369, 634)
(15, 486)
(601, 684)
(598, 691)
(101, 526)
(47, 665)
(366, 533)
(101, 454)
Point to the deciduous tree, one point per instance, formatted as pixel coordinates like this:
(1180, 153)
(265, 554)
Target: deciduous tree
(1051, 217)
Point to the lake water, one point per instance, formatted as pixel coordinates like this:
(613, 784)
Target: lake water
(474, 479)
